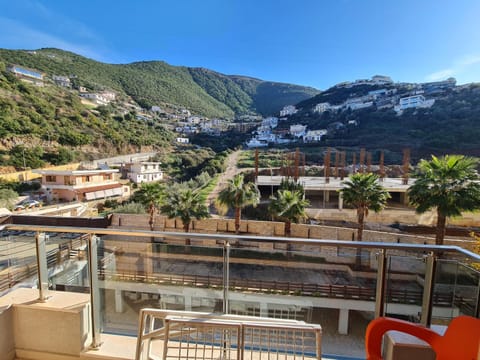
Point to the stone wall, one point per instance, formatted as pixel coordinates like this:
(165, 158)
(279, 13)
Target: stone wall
(272, 228)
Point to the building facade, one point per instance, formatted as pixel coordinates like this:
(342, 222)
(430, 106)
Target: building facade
(142, 172)
(81, 185)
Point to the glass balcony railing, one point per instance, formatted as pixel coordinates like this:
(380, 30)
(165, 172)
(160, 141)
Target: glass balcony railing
(340, 285)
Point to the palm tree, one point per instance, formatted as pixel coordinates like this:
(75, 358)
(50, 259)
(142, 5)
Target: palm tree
(289, 206)
(150, 195)
(239, 194)
(363, 192)
(186, 205)
(448, 184)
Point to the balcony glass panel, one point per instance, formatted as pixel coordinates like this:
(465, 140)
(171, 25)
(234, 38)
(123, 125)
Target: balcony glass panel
(67, 262)
(18, 260)
(140, 274)
(308, 283)
(456, 286)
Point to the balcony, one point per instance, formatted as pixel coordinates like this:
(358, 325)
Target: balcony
(92, 285)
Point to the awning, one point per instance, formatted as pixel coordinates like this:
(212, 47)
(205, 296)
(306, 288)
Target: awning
(103, 193)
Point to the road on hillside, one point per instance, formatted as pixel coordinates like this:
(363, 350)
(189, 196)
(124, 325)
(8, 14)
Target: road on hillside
(229, 173)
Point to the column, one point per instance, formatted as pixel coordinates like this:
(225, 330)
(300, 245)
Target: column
(343, 322)
(118, 301)
(263, 309)
(188, 302)
(340, 201)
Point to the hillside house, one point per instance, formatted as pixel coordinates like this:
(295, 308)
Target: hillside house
(142, 172)
(96, 98)
(81, 185)
(314, 135)
(297, 130)
(321, 107)
(414, 101)
(271, 122)
(381, 80)
(288, 110)
(63, 81)
(29, 75)
(182, 140)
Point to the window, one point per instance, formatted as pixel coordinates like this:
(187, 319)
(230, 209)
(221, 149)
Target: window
(50, 178)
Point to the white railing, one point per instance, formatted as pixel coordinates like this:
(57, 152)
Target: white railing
(176, 335)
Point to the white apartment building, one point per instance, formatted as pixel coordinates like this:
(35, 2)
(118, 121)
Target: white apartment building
(143, 172)
(381, 80)
(314, 135)
(61, 80)
(321, 107)
(288, 110)
(414, 101)
(271, 122)
(96, 98)
(298, 130)
(359, 105)
(254, 143)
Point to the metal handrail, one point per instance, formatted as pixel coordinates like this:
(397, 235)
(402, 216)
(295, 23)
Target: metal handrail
(225, 240)
(424, 248)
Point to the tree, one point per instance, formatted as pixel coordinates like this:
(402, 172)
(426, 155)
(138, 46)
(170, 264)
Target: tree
(363, 192)
(22, 157)
(185, 204)
(237, 195)
(448, 184)
(151, 196)
(7, 198)
(288, 206)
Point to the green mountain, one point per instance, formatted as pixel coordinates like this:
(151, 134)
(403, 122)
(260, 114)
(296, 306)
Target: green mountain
(201, 91)
(51, 123)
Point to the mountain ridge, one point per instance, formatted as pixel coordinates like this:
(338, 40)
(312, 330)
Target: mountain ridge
(200, 90)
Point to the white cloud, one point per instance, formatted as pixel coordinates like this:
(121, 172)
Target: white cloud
(440, 75)
(460, 66)
(21, 36)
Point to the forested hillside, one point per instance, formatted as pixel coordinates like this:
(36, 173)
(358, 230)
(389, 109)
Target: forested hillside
(51, 124)
(451, 125)
(201, 91)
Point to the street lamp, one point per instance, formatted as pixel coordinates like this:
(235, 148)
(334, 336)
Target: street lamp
(23, 155)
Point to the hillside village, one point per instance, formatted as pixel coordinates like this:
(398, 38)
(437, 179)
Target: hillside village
(396, 96)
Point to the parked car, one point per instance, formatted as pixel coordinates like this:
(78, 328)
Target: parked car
(19, 207)
(31, 204)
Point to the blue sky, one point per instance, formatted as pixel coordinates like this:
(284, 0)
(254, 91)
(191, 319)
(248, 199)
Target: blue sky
(308, 42)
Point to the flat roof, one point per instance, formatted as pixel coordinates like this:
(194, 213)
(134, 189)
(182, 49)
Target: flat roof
(335, 184)
(74, 172)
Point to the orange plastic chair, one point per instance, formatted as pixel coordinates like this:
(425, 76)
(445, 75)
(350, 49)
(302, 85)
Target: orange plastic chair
(461, 341)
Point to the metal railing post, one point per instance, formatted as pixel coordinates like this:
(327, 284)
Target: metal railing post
(381, 283)
(42, 267)
(226, 274)
(427, 303)
(477, 308)
(94, 289)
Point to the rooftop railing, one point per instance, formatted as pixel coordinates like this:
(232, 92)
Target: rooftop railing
(291, 278)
